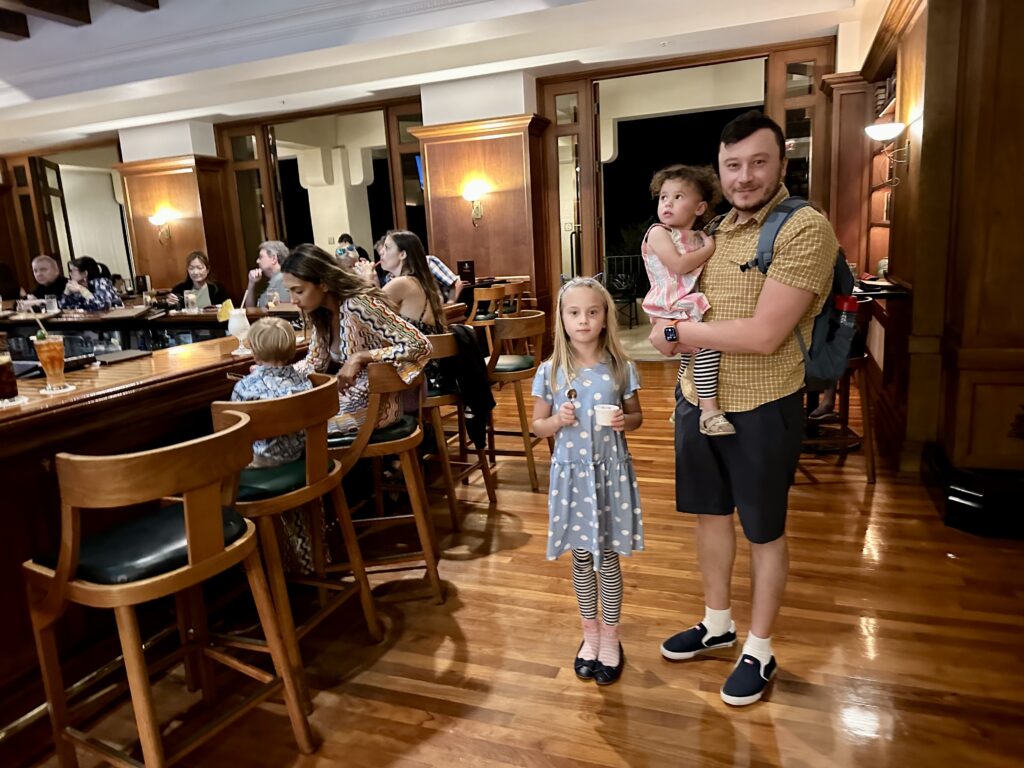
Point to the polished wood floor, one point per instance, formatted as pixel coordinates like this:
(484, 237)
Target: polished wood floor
(900, 643)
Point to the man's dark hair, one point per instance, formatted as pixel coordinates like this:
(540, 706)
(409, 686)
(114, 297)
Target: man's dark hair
(750, 122)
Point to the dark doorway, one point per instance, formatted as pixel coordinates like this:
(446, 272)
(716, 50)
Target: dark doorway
(645, 146)
(382, 217)
(295, 199)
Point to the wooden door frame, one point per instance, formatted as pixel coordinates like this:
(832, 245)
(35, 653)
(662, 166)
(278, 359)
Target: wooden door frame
(583, 82)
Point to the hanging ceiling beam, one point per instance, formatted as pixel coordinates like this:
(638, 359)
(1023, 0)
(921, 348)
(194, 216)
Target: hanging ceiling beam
(73, 12)
(139, 5)
(13, 26)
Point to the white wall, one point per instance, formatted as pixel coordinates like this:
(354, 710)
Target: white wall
(697, 89)
(167, 140)
(335, 167)
(478, 98)
(95, 216)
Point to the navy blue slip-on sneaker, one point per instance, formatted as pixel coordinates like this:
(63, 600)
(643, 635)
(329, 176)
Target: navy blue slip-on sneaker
(748, 680)
(687, 644)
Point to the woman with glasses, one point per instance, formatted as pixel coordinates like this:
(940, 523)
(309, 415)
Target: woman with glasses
(87, 288)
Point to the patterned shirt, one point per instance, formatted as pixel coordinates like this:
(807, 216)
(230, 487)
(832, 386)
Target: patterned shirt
(444, 276)
(99, 295)
(367, 323)
(804, 256)
(266, 382)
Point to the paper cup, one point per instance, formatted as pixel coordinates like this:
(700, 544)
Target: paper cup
(603, 414)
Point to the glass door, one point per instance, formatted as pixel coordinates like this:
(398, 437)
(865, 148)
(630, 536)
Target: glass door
(53, 213)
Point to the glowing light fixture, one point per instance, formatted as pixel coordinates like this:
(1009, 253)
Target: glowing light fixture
(885, 131)
(473, 192)
(162, 220)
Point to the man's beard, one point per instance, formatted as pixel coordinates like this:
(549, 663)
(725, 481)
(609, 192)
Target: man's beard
(760, 203)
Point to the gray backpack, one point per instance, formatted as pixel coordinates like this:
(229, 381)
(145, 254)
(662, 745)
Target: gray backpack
(825, 359)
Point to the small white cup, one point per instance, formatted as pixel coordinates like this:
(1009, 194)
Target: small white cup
(603, 414)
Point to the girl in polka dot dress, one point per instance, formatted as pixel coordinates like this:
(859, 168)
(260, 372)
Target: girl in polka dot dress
(594, 504)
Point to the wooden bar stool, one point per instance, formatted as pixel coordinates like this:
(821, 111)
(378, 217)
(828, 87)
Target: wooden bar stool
(155, 555)
(484, 318)
(512, 303)
(444, 346)
(264, 494)
(525, 335)
(402, 439)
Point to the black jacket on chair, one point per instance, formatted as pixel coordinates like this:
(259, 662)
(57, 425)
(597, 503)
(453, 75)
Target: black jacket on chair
(470, 373)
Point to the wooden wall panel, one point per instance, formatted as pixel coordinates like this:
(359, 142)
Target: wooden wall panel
(498, 152)
(852, 102)
(146, 191)
(214, 196)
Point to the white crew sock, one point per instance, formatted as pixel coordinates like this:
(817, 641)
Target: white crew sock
(758, 647)
(718, 622)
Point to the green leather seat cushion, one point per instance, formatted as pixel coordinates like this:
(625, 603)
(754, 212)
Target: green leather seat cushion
(267, 482)
(404, 427)
(141, 548)
(513, 363)
(485, 316)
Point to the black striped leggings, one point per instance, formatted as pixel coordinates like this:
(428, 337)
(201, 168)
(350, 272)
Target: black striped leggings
(584, 581)
(705, 371)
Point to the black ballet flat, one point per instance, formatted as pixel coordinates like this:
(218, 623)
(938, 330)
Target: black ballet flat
(584, 668)
(605, 675)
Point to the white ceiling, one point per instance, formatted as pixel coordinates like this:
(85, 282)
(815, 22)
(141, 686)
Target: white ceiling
(220, 60)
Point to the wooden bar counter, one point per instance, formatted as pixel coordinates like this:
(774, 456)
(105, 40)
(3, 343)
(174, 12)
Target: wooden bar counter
(136, 404)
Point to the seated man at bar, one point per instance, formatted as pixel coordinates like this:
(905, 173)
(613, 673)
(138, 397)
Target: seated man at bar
(49, 280)
(87, 288)
(271, 256)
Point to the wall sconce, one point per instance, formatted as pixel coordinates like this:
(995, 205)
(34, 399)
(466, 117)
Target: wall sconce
(474, 192)
(162, 220)
(888, 132)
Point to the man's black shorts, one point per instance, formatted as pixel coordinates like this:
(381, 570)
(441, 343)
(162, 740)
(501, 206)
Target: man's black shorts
(750, 471)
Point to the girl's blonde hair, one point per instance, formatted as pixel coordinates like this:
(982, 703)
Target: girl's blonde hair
(563, 356)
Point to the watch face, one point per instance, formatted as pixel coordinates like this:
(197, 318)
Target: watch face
(670, 333)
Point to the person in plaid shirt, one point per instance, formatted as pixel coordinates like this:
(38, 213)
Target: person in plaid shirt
(752, 320)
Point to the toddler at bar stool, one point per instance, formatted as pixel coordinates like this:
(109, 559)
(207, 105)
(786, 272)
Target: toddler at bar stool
(674, 255)
(272, 341)
(593, 504)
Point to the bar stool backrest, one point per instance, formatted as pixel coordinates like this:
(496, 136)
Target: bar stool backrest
(307, 411)
(525, 334)
(204, 472)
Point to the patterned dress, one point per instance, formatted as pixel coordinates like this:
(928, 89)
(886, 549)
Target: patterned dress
(367, 323)
(672, 296)
(593, 503)
(104, 296)
(266, 382)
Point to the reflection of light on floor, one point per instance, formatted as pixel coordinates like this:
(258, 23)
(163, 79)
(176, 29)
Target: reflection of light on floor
(860, 722)
(872, 549)
(869, 630)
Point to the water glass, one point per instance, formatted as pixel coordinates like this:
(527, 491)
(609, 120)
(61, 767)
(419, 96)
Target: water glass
(191, 307)
(51, 304)
(273, 298)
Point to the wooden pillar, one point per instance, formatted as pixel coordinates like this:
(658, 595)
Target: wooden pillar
(194, 188)
(851, 102)
(505, 154)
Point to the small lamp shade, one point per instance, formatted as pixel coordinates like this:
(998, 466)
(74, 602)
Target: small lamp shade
(885, 131)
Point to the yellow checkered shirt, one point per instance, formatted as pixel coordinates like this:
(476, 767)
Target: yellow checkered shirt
(804, 256)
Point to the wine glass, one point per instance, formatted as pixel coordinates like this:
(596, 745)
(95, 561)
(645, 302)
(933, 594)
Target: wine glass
(238, 326)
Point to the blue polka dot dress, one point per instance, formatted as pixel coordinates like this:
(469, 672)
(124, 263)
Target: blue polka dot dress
(593, 503)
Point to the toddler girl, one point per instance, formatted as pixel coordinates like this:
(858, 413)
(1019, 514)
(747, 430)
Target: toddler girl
(674, 255)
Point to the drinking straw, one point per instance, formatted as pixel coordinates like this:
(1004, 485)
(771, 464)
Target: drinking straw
(40, 324)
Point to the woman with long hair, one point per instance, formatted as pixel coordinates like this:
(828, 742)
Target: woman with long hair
(87, 288)
(208, 292)
(412, 287)
(353, 324)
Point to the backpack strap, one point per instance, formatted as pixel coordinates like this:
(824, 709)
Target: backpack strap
(773, 224)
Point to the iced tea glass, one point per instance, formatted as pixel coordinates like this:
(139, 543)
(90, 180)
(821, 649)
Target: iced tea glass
(50, 352)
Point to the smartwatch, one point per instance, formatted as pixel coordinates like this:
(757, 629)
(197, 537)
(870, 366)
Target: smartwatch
(670, 333)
